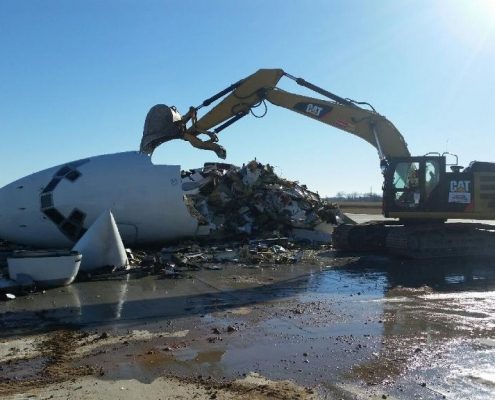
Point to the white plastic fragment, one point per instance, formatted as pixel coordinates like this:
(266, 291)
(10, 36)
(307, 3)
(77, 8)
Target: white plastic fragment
(102, 246)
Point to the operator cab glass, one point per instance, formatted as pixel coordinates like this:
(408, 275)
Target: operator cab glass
(432, 176)
(415, 184)
(407, 185)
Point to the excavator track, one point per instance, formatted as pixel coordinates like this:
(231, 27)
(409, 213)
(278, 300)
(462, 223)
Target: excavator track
(418, 241)
(370, 236)
(442, 240)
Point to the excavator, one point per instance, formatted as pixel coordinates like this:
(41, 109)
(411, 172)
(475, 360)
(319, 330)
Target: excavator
(420, 193)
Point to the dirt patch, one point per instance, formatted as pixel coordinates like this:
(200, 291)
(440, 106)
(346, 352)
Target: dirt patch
(255, 387)
(51, 365)
(56, 363)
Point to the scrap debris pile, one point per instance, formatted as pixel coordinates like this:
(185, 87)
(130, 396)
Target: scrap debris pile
(253, 201)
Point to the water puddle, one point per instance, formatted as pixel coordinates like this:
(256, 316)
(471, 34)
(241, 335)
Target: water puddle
(401, 329)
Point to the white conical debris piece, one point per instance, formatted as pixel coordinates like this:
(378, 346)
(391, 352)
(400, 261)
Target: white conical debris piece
(101, 245)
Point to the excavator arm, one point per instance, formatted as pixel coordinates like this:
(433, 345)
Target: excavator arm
(242, 97)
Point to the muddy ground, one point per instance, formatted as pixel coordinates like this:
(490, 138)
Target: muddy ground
(343, 327)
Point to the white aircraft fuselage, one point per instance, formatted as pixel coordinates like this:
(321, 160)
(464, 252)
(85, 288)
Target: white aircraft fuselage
(54, 207)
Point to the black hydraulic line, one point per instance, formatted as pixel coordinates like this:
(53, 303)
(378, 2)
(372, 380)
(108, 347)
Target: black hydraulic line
(361, 103)
(317, 89)
(232, 87)
(230, 122)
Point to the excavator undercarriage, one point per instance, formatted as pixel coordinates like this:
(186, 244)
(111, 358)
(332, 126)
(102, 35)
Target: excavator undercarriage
(417, 241)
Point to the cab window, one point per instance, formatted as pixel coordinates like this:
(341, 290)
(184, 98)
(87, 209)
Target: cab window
(432, 176)
(406, 184)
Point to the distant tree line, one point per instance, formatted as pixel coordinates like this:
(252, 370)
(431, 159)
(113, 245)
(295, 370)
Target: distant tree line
(355, 196)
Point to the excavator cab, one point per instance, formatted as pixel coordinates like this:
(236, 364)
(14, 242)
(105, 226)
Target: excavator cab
(410, 183)
(422, 188)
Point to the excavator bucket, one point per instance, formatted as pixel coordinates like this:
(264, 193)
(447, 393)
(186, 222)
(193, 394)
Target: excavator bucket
(162, 124)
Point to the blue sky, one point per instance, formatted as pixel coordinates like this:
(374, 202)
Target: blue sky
(78, 77)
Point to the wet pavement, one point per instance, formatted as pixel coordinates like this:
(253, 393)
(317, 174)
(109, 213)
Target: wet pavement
(347, 327)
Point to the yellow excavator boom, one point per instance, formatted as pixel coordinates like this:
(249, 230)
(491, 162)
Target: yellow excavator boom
(240, 98)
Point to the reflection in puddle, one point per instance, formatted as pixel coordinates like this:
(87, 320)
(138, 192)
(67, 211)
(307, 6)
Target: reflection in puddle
(468, 372)
(200, 357)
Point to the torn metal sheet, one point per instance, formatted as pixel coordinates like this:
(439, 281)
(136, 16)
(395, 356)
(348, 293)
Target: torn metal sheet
(101, 246)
